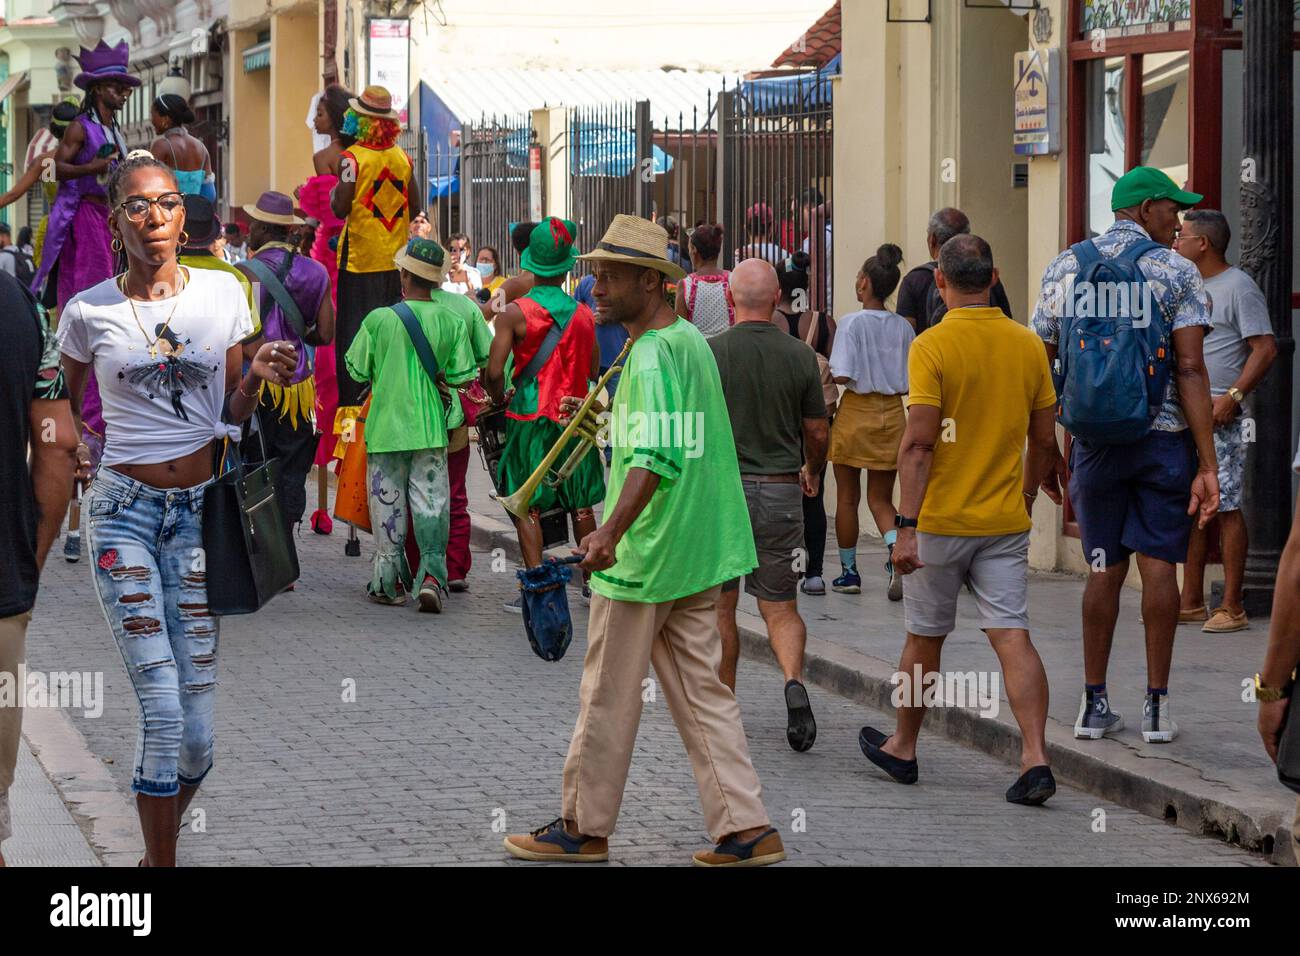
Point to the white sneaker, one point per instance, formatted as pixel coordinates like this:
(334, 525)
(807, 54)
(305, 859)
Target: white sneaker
(1158, 726)
(1096, 719)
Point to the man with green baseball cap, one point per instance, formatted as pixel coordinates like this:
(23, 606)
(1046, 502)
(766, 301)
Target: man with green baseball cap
(552, 339)
(1146, 182)
(1142, 497)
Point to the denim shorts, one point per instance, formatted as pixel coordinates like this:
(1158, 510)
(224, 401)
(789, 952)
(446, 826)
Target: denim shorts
(147, 548)
(1134, 498)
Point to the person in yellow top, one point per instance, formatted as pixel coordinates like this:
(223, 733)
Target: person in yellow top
(376, 199)
(979, 386)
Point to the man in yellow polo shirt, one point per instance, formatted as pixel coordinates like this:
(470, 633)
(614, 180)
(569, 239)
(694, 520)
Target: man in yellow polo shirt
(979, 386)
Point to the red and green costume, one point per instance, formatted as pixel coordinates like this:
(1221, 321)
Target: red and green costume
(532, 420)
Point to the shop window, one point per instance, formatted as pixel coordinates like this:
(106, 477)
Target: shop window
(1105, 137)
(1164, 113)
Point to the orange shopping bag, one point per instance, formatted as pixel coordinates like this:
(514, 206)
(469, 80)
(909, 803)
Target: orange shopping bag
(351, 499)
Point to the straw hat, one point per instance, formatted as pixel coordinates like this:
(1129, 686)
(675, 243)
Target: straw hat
(636, 241)
(273, 207)
(424, 258)
(374, 101)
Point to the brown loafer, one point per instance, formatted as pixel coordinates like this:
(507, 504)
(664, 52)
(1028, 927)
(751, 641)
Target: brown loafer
(764, 849)
(1223, 621)
(1192, 615)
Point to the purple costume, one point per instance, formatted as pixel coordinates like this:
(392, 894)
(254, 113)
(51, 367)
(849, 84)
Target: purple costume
(77, 238)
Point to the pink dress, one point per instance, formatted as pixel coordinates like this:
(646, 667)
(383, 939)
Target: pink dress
(314, 198)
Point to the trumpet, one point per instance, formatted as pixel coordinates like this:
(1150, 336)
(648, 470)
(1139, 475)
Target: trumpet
(585, 425)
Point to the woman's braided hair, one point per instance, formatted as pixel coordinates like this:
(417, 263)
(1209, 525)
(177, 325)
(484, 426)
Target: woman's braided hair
(139, 159)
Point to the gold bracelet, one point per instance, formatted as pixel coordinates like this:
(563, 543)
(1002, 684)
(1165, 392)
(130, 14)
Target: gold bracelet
(245, 394)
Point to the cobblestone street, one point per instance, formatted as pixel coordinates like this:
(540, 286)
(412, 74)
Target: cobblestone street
(458, 731)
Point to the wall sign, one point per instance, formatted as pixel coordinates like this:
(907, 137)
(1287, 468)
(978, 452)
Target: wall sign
(389, 58)
(1037, 103)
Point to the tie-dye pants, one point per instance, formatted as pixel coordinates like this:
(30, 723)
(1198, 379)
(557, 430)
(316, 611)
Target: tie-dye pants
(408, 485)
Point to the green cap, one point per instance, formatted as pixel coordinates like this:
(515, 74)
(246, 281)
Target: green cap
(550, 249)
(1146, 182)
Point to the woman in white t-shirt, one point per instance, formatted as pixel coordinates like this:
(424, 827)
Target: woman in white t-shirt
(869, 358)
(167, 347)
(462, 277)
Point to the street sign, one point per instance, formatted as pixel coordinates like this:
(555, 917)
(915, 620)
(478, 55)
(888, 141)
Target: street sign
(1037, 103)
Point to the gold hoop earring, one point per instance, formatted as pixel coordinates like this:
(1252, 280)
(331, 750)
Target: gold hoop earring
(117, 245)
(185, 238)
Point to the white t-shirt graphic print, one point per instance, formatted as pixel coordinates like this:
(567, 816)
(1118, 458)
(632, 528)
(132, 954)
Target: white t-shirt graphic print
(166, 405)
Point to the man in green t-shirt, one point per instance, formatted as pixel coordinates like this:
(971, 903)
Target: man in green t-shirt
(407, 426)
(676, 527)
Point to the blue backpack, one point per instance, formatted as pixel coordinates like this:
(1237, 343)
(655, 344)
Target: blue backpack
(1111, 369)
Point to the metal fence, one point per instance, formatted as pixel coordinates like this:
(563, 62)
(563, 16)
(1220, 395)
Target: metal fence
(492, 184)
(776, 168)
(756, 158)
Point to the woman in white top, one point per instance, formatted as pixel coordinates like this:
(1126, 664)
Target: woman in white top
(869, 358)
(462, 277)
(166, 346)
(702, 295)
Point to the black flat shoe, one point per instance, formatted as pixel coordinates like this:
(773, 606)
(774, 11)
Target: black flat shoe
(902, 771)
(800, 728)
(1033, 788)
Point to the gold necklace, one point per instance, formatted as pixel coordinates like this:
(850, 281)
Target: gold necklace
(152, 345)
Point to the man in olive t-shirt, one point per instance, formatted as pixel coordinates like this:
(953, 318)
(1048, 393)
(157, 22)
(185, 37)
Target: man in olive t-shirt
(774, 396)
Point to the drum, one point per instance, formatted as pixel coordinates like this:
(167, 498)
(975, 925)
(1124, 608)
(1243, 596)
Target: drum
(491, 427)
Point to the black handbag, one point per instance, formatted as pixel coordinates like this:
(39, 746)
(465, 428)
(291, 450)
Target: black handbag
(250, 554)
(1288, 746)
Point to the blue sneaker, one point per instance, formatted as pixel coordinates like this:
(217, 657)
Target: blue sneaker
(1096, 719)
(848, 583)
(552, 843)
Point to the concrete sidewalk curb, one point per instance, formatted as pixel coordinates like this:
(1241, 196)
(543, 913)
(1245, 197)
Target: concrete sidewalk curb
(107, 818)
(1110, 768)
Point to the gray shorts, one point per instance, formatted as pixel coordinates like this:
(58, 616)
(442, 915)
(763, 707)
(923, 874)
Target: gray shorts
(997, 567)
(776, 514)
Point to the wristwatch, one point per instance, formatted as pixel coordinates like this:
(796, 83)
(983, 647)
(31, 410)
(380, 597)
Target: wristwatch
(1269, 695)
(901, 522)
(1236, 394)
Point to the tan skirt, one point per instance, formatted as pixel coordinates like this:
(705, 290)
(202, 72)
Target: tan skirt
(867, 431)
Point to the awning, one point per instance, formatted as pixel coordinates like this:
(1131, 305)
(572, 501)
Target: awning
(257, 57)
(12, 83)
(778, 94)
(601, 151)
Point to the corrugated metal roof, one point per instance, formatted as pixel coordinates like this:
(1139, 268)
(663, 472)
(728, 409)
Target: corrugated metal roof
(471, 94)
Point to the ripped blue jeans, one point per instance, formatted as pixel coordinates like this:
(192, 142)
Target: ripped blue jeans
(147, 548)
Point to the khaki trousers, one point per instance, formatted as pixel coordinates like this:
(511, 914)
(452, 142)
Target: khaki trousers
(681, 639)
(13, 642)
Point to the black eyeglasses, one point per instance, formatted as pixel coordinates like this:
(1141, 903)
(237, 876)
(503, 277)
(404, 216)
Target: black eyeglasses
(137, 207)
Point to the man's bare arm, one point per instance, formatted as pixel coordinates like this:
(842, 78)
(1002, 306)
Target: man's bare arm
(54, 463)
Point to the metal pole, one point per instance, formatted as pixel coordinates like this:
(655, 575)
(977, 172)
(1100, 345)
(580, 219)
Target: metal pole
(1266, 210)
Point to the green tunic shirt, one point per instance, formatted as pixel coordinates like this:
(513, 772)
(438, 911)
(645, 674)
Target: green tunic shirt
(669, 416)
(480, 336)
(406, 411)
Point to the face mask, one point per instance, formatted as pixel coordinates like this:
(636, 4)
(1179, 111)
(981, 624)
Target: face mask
(486, 269)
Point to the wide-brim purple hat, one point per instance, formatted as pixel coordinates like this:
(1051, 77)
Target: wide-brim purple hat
(275, 208)
(105, 63)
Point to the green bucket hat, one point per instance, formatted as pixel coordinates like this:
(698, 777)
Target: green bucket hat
(550, 249)
(424, 258)
(1146, 182)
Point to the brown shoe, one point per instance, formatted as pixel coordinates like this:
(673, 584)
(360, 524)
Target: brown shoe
(553, 844)
(1223, 621)
(763, 849)
(1192, 615)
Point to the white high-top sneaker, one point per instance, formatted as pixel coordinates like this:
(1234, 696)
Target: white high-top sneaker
(1158, 726)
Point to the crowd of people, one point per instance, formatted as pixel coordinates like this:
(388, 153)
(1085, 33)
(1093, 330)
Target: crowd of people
(349, 334)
